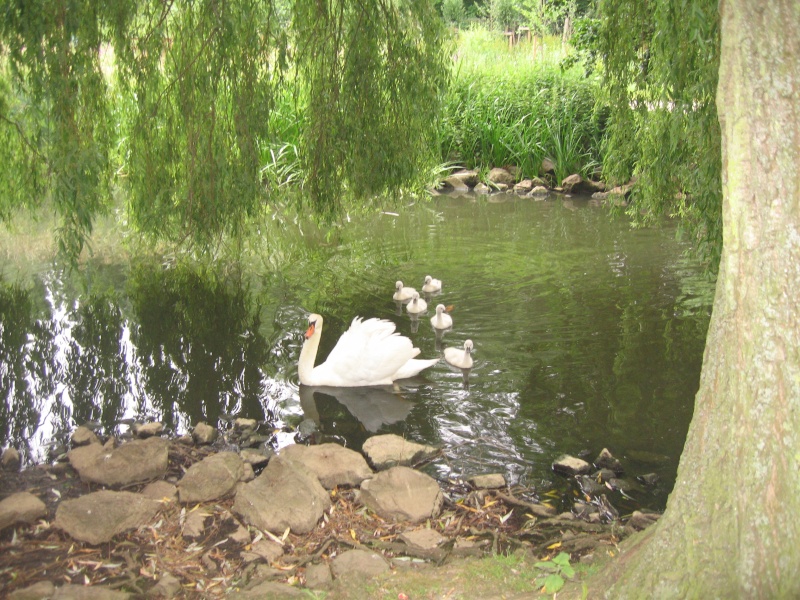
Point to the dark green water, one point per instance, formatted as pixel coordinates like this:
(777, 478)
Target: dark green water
(587, 335)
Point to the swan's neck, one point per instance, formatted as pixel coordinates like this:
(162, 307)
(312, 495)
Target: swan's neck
(305, 365)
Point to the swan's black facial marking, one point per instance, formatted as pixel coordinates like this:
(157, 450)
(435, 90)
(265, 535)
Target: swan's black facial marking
(312, 324)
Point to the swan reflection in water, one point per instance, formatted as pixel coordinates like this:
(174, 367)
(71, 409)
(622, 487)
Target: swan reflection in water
(373, 407)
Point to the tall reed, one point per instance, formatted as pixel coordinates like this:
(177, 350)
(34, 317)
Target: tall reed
(517, 106)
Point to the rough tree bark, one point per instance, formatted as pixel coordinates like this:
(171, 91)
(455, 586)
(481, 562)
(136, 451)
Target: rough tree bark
(732, 524)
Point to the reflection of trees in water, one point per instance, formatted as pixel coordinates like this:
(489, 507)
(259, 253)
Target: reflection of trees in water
(628, 382)
(97, 373)
(190, 351)
(27, 373)
(198, 344)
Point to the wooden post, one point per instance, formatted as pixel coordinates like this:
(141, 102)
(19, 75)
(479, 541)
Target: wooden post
(510, 36)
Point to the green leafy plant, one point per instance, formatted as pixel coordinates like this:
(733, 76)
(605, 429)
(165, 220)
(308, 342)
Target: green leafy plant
(505, 108)
(555, 572)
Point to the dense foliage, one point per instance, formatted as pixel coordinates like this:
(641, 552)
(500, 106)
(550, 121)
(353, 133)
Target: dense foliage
(171, 103)
(518, 107)
(661, 62)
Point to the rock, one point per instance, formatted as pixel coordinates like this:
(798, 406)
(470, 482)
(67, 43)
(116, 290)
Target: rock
(195, 524)
(148, 429)
(83, 436)
(548, 166)
(358, 563)
(641, 520)
(97, 517)
(385, 451)
(490, 481)
(539, 190)
(256, 458)
(162, 491)
(599, 195)
(402, 494)
(83, 592)
(333, 464)
(422, 539)
(571, 181)
(649, 479)
(605, 460)
(469, 177)
(570, 465)
(590, 486)
(524, 186)
(37, 591)
(204, 434)
(318, 576)
(268, 590)
(454, 184)
(585, 511)
(168, 586)
(268, 550)
(622, 190)
(618, 196)
(482, 188)
(623, 485)
(285, 495)
(594, 186)
(10, 461)
(22, 507)
(307, 427)
(240, 535)
(499, 175)
(248, 474)
(132, 462)
(500, 187)
(577, 184)
(213, 477)
(604, 475)
(245, 425)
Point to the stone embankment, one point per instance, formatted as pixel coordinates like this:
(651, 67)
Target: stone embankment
(507, 180)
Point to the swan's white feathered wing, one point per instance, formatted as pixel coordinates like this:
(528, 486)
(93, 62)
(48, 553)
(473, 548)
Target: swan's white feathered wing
(369, 353)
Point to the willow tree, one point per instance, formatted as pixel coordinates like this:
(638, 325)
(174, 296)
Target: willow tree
(171, 104)
(661, 62)
(730, 529)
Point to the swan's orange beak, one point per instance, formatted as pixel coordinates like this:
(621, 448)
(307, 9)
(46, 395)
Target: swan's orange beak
(448, 308)
(310, 330)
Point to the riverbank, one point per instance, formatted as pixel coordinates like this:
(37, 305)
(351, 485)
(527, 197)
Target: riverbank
(197, 535)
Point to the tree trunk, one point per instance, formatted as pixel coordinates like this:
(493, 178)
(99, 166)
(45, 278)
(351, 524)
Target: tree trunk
(732, 524)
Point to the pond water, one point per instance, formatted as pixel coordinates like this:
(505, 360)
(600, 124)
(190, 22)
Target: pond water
(587, 333)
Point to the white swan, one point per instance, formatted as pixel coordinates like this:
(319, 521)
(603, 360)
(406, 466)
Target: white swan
(431, 285)
(369, 353)
(402, 293)
(417, 305)
(441, 320)
(458, 357)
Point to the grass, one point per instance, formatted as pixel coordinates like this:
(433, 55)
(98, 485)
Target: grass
(517, 106)
(496, 577)
(504, 106)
